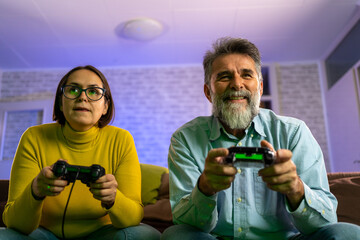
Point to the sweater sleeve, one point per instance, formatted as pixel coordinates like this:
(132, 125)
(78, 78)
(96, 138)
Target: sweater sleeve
(22, 211)
(127, 209)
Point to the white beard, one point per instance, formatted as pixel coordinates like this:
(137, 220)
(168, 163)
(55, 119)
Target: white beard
(236, 115)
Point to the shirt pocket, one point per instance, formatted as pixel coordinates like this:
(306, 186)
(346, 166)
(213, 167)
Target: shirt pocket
(266, 200)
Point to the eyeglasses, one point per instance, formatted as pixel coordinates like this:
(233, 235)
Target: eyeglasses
(73, 92)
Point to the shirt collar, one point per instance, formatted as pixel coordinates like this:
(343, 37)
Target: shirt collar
(258, 125)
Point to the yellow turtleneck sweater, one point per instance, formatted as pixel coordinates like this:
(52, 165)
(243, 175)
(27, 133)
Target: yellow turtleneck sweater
(40, 146)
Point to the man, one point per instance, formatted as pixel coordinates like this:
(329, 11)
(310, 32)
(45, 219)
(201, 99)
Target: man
(211, 199)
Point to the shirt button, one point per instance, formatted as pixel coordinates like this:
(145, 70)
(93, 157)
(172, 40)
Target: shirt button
(239, 229)
(252, 135)
(239, 144)
(239, 199)
(309, 201)
(323, 211)
(304, 210)
(239, 170)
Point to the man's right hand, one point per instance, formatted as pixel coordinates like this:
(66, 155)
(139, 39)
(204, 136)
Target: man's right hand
(47, 184)
(217, 175)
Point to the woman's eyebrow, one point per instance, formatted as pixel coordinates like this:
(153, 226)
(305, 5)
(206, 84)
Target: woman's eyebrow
(78, 85)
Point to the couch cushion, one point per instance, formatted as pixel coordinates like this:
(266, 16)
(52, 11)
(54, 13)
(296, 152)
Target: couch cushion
(346, 188)
(151, 176)
(159, 214)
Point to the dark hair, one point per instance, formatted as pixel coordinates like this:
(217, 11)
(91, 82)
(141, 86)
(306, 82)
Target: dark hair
(228, 45)
(58, 115)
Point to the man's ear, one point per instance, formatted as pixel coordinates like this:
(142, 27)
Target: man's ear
(261, 88)
(207, 92)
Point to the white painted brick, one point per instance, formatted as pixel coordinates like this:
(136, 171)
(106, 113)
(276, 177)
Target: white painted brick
(152, 102)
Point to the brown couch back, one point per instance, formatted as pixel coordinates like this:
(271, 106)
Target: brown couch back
(4, 188)
(346, 188)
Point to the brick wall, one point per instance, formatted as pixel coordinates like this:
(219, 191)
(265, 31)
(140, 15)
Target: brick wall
(152, 102)
(300, 96)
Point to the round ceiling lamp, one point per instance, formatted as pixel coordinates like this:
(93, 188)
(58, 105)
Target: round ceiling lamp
(142, 29)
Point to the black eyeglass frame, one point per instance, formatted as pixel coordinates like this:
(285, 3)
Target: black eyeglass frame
(82, 90)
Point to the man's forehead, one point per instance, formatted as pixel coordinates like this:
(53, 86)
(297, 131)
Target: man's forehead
(233, 62)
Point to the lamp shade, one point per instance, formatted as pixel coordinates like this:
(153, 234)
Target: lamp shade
(142, 29)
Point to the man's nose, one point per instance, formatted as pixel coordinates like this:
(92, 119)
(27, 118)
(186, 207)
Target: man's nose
(237, 83)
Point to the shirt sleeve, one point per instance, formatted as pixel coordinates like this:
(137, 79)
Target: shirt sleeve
(318, 208)
(189, 205)
(22, 211)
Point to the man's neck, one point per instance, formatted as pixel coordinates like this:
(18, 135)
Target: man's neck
(239, 133)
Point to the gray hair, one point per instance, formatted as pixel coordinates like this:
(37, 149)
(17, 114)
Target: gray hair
(228, 45)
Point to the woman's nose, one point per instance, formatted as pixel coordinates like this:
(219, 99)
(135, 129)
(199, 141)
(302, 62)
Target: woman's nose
(82, 96)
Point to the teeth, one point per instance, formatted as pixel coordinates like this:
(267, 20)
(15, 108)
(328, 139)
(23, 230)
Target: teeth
(236, 98)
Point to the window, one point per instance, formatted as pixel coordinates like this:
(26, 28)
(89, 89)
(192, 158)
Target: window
(345, 55)
(269, 98)
(15, 118)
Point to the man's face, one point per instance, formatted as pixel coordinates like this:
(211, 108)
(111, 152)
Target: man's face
(234, 90)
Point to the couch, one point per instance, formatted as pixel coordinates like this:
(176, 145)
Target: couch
(157, 211)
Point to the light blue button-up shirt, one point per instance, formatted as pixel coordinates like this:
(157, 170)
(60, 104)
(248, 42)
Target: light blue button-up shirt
(248, 209)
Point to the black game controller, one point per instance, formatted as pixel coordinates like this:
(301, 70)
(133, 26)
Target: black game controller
(251, 154)
(73, 172)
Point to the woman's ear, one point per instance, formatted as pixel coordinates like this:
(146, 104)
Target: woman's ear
(106, 102)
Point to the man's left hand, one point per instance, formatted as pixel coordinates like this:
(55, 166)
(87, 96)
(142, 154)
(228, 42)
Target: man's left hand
(282, 176)
(104, 189)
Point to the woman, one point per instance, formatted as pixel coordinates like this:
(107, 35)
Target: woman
(37, 204)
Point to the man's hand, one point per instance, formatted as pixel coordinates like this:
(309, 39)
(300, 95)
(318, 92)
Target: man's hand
(282, 176)
(104, 189)
(217, 175)
(47, 184)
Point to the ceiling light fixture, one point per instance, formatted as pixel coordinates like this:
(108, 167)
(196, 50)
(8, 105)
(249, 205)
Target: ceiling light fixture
(141, 29)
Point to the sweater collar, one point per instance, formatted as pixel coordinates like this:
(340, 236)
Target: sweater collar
(80, 140)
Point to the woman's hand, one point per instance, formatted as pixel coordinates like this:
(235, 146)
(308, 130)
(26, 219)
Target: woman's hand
(104, 189)
(47, 184)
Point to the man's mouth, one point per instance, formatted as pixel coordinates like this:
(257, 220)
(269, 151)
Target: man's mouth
(236, 98)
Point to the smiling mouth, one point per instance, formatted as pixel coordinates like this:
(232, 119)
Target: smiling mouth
(235, 98)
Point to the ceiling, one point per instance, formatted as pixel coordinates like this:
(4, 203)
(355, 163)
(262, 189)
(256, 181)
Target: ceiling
(66, 33)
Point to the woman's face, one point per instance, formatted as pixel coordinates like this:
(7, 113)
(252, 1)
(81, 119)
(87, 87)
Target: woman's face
(82, 113)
